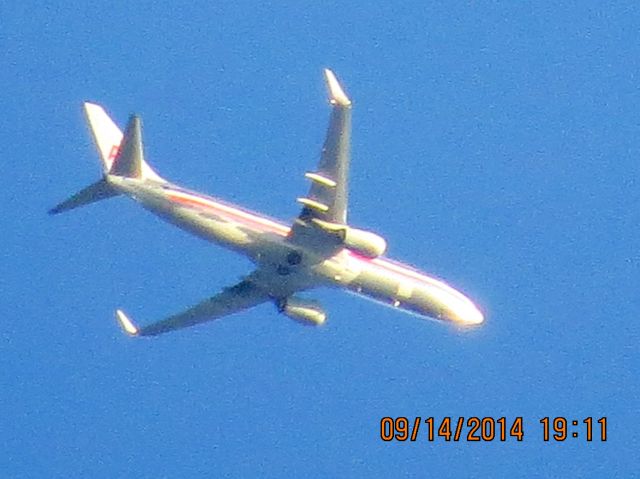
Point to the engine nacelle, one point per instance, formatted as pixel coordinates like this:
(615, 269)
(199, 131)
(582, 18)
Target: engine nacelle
(365, 243)
(305, 311)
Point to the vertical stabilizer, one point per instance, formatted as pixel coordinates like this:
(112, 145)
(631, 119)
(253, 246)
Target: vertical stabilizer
(106, 134)
(130, 157)
(121, 155)
(129, 161)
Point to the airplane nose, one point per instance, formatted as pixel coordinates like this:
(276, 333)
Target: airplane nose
(467, 314)
(459, 309)
(474, 317)
(436, 299)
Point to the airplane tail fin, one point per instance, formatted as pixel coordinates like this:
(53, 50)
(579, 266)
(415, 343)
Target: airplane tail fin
(121, 155)
(106, 134)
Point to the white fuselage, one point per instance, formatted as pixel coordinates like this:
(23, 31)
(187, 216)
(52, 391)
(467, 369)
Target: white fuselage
(287, 267)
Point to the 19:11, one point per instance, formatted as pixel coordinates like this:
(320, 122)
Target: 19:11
(560, 428)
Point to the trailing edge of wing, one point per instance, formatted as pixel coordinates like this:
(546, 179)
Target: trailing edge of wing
(243, 295)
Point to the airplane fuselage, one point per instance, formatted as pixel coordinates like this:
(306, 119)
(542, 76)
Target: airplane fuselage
(268, 244)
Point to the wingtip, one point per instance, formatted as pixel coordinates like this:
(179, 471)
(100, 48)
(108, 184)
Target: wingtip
(336, 93)
(90, 106)
(126, 324)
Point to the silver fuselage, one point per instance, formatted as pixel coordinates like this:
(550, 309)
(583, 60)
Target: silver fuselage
(267, 243)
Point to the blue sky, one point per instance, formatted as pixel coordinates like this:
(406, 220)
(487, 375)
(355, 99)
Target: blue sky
(495, 146)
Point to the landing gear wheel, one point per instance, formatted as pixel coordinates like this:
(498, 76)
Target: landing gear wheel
(294, 258)
(283, 270)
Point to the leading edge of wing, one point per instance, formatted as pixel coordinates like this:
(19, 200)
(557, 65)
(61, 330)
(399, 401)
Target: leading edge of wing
(239, 297)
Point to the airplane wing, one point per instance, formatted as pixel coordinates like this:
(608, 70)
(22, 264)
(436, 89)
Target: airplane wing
(327, 199)
(243, 295)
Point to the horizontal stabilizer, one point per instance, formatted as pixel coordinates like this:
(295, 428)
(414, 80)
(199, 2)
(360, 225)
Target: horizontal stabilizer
(101, 190)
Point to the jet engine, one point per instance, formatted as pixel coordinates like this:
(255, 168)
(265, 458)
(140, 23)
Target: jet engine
(305, 311)
(365, 243)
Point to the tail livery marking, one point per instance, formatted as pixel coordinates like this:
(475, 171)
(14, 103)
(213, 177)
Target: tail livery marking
(106, 134)
(115, 150)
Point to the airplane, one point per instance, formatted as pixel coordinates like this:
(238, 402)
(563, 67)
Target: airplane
(320, 248)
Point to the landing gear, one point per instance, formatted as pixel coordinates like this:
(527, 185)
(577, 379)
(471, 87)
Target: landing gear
(281, 304)
(283, 270)
(294, 258)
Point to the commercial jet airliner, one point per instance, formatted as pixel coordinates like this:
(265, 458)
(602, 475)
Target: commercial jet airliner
(320, 248)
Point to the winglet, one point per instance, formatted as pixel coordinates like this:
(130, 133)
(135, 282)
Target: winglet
(126, 324)
(337, 94)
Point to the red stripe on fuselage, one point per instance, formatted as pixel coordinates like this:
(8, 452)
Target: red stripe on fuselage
(262, 224)
(406, 272)
(245, 218)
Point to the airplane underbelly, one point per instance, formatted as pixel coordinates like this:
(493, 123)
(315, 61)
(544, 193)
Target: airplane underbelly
(426, 297)
(398, 293)
(223, 233)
